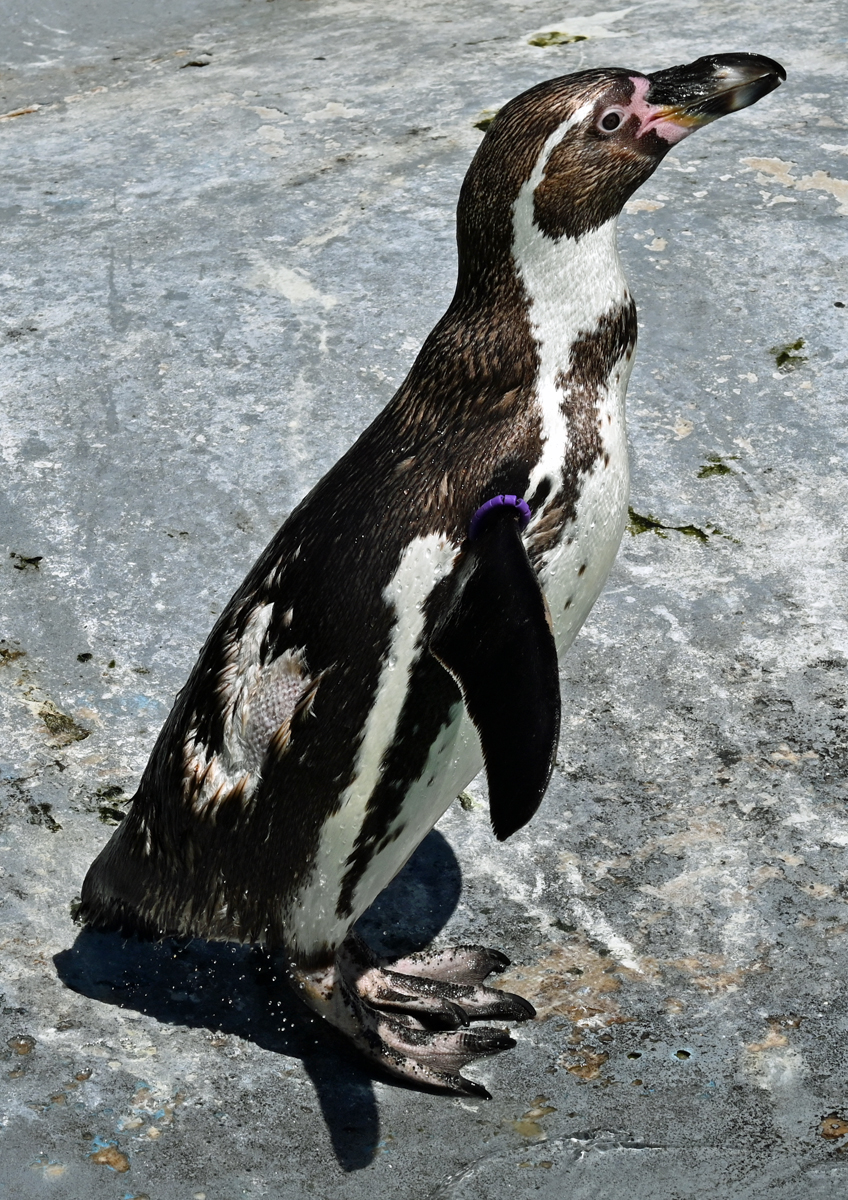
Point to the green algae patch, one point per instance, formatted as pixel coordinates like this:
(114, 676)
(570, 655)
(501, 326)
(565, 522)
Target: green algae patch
(63, 728)
(485, 119)
(786, 357)
(716, 465)
(556, 37)
(646, 523)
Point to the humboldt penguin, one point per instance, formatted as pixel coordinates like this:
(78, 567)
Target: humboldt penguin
(403, 628)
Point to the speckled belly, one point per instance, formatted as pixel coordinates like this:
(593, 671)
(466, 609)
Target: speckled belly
(574, 571)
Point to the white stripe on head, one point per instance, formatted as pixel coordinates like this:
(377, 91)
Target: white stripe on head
(570, 283)
(523, 221)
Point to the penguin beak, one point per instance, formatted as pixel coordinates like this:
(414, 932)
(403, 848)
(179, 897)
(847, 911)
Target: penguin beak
(682, 99)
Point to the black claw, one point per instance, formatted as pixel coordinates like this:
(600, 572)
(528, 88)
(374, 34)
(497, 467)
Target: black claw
(499, 961)
(459, 1015)
(470, 1088)
(448, 1016)
(518, 1008)
(488, 1040)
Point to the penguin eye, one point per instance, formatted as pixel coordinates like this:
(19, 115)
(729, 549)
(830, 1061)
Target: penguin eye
(611, 120)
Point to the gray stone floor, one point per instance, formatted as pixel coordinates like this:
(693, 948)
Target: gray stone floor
(212, 277)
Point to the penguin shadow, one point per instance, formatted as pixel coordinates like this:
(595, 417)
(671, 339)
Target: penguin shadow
(242, 990)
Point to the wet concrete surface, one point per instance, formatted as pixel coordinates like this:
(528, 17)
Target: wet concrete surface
(212, 277)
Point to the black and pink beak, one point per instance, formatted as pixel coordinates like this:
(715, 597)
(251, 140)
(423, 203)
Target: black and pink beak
(675, 102)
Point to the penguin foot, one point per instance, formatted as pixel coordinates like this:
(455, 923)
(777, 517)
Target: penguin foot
(412, 1016)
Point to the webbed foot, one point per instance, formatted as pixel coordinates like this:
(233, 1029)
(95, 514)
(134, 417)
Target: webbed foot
(412, 1016)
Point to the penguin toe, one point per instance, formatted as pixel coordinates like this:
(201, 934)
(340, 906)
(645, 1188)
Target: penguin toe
(423, 999)
(441, 989)
(438, 1003)
(456, 964)
(513, 1007)
(434, 1060)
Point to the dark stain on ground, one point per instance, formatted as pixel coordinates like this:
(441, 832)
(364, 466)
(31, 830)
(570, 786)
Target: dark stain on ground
(108, 802)
(24, 562)
(42, 814)
(22, 799)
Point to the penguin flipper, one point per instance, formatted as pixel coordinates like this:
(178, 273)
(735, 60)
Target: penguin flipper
(494, 637)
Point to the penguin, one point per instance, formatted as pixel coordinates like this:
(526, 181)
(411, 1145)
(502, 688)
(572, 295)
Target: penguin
(404, 627)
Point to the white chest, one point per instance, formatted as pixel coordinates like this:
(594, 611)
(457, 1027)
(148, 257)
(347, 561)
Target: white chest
(573, 286)
(575, 571)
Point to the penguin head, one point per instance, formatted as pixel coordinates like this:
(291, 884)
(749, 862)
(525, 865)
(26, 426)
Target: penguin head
(578, 147)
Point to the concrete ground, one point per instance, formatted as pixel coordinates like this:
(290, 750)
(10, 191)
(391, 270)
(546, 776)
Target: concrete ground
(212, 277)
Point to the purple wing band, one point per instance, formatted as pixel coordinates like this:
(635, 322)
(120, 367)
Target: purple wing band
(479, 518)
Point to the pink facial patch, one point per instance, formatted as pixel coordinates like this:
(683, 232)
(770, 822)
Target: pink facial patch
(667, 123)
